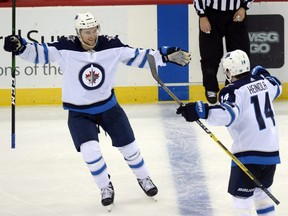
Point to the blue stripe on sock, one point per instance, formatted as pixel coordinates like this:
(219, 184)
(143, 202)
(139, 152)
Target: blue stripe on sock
(95, 161)
(266, 210)
(97, 172)
(137, 165)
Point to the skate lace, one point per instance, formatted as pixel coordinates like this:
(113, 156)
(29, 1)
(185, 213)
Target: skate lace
(211, 94)
(107, 193)
(147, 184)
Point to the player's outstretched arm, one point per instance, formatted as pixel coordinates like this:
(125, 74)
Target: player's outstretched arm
(14, 43)
(194, 111)
(175, 55)
(260, 71)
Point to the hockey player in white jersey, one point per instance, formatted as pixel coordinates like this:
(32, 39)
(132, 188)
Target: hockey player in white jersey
(246, 110)
(89, 63)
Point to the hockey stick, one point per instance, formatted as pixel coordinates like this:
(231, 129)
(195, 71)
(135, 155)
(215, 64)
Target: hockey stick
(13, 70)
(153, 69)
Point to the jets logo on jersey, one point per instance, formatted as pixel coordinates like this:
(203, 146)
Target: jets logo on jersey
(92, 76)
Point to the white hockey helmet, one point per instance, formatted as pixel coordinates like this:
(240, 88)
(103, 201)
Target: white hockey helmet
(236, 62)
(85, 21)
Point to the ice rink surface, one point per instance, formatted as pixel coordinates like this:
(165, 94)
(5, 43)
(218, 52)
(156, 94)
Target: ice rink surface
(45, 176)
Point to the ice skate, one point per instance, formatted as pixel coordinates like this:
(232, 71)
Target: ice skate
(107, 197)
(148, 187)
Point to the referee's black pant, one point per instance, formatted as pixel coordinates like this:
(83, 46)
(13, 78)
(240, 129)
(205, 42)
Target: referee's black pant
(211, 45)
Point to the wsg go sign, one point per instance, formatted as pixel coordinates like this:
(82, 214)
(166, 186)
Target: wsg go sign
(260, 41)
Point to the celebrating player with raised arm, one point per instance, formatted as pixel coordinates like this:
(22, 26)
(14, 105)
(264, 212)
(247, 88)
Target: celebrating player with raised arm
(89, 63)
(246, 110)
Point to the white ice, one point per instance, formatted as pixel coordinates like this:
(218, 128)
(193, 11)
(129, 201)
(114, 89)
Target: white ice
(45, 176)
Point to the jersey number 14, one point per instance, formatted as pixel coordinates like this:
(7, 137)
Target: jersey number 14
(268, 112)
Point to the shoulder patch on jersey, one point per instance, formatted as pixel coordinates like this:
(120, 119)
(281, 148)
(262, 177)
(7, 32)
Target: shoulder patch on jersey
(227, 93)
(71, 37)
(110, 37)
(68, 43)
(108, 42)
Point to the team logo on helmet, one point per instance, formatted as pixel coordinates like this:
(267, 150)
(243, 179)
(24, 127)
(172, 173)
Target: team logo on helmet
(92, 76)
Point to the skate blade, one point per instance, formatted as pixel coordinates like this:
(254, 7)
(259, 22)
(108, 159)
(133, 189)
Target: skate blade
(110, 207)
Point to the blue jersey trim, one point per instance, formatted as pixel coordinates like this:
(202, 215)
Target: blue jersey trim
(133, 59)
(46, 53)
(95, 109)
(258, 160)
(37, 55)
(231, 112)
(144, 59)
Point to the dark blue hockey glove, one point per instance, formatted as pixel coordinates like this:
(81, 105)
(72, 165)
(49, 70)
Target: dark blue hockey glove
(259, 70)
(14, 43)
(175, 55)
(193, 111)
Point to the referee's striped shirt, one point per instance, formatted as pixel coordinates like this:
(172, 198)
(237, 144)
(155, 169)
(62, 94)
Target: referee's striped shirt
(221, 5)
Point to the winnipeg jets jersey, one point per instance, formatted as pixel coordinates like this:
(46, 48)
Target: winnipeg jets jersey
(89, 76)
(246, 109)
